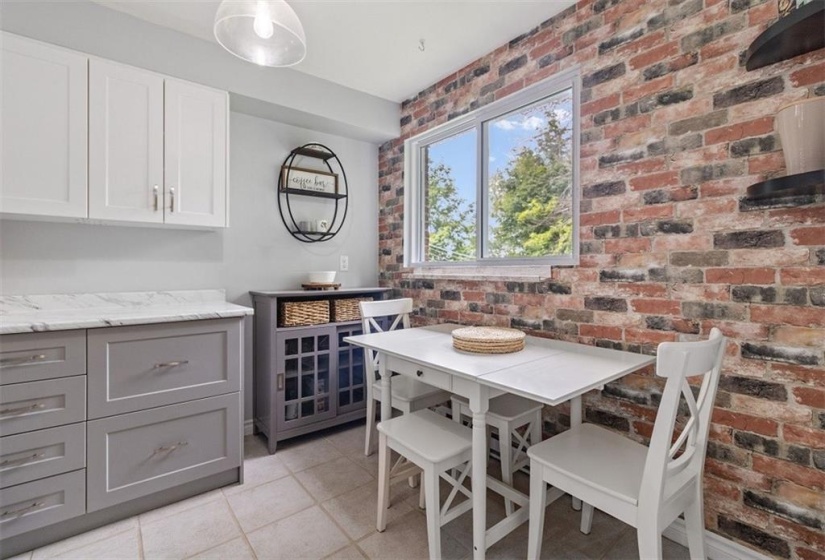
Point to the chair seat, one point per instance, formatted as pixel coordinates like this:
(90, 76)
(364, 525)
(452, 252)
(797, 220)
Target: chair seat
(406, 389)
(507, 407)
(584, 453)
(428, 434)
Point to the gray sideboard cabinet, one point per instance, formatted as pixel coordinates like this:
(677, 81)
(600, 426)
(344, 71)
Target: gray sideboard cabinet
(306, 377)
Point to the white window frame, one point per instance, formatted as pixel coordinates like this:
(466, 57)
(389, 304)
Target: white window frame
(415, 174)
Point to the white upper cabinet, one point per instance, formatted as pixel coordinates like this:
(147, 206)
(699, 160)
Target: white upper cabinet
(196, 154)
(125, 143)
(43, 122)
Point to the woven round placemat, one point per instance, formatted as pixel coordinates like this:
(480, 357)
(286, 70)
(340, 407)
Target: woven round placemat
(488, 340)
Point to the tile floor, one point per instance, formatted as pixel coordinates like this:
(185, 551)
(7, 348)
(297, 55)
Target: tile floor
(315, 498)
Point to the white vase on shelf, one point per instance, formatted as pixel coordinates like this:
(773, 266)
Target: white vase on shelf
(801, 126)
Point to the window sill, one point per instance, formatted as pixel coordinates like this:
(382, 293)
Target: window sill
(518, 273)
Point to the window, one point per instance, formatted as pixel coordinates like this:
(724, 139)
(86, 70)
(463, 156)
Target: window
(498, 186)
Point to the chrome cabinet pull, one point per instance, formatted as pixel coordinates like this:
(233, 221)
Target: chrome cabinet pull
(176, 363)
(22, 360)
(172, 199)
(22, 460)
(155, 194)
(171, 447)
(21, 511)
(22, 409)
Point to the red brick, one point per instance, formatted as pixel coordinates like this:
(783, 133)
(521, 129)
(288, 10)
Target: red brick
(809, 74)
(789, 315)
(645, 213)
(746, 422)
(764, 13)
(803, 435)
(766, 163)
(740, 275)
(809, 235)
(600, 104)
(659, 84)
(790, 529)
(656, 306)
(797, 374)
(783, 470)
(623, 126)
(654, 55)
(738, 131)
(807, 554)
(649, 337)
(600, 218)
(600, 331)
(655, 181)
(747, 478)
(627, 245)
(809, 396)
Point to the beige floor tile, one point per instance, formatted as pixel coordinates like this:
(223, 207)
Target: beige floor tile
(177, 507)
(406, 539)
(369, 463)
(627, 547)
(254, 446)
(349, 439)
(269, 502)
(258, 470)
(189, 532)
(563, 539)
(349, 553)
(236, 549)
(85, 539)
(123, 546)
(333, 478)
(355, 511)
(307, 453)
(310, 534)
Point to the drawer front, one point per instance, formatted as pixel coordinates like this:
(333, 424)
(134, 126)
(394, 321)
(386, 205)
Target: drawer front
(424, 374)
(27, 457)
(135, 368)
(25, 407)
(30, 506)
(145, 452)
(36, 356)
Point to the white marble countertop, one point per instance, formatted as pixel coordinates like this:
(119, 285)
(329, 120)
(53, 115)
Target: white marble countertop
(37, 313)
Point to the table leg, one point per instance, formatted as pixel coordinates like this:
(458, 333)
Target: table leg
(386, 389)
(576, 420)
(479, 404)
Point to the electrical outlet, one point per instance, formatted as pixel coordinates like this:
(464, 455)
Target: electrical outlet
(344, 263)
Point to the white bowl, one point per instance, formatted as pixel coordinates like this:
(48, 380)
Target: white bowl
(322, 277)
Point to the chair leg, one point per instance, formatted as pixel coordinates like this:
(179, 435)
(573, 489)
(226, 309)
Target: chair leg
(538, 495)
(650, 542)
(505, 450)
(433, 512)
(422, 499)
(695, 525)
(370, 426)
(383, 482)
(587, 519)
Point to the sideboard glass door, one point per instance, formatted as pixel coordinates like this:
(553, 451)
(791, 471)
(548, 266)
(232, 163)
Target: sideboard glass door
(352, 391)
(305, 382)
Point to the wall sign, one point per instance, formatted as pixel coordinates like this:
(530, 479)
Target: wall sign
(298, 178)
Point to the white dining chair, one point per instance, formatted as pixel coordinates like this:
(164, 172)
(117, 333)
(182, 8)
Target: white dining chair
(511, 415)
(408, 395)
(437, 446)
(644, 487)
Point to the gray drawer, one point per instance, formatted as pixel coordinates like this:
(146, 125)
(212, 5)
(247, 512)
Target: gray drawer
(30, 506)
(146, 452)
(27, 457)
(25, 407)
(135, 368)
(35, 356)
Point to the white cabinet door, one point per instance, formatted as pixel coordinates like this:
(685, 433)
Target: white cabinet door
(43, 122)
(196, 154)
(125, 143)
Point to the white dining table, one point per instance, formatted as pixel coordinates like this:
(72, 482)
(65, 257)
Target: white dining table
(547, 371)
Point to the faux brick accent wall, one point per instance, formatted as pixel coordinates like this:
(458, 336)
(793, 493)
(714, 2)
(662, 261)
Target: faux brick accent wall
(674, 129)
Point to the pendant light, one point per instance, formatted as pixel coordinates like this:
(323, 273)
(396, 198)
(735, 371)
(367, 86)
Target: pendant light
(266, 32)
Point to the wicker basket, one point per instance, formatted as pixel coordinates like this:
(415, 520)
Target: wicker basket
(302, 313)
(347, 309)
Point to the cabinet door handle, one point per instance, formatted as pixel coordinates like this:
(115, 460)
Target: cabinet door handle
(171, 447)
(21, 460)
(171, 199)
(22, 360)
(155, 193)
(280, 381)
(21, 511)
(21, 409)
(176, 363)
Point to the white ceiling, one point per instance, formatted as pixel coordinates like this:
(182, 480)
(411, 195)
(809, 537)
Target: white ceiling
(373, 45)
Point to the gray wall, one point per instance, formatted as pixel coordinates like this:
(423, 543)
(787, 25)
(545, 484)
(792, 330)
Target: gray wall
(256, 252)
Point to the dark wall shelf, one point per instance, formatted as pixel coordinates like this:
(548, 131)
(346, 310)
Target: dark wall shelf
(799, 32)
(317, 194)
(812, 182)
(310, 152)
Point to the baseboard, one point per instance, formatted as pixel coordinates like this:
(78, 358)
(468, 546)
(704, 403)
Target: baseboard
(248, 427)
(719, 548)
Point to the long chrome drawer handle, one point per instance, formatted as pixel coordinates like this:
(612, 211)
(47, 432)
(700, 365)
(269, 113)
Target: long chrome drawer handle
(21, 511)
(23, 360)
(22, 409)
(170, 447)
(171, 364)
(22, 460)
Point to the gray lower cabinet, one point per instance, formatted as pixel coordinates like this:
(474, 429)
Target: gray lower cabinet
(34, 455)
(137, 454)
(37, 504)
(42, 404)
(135, 368)
(35, 356)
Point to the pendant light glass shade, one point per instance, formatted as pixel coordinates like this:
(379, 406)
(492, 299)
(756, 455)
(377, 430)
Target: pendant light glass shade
(266, 32)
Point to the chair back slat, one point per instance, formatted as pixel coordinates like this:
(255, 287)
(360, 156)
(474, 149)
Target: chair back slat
(668, 457)
(400, 309)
